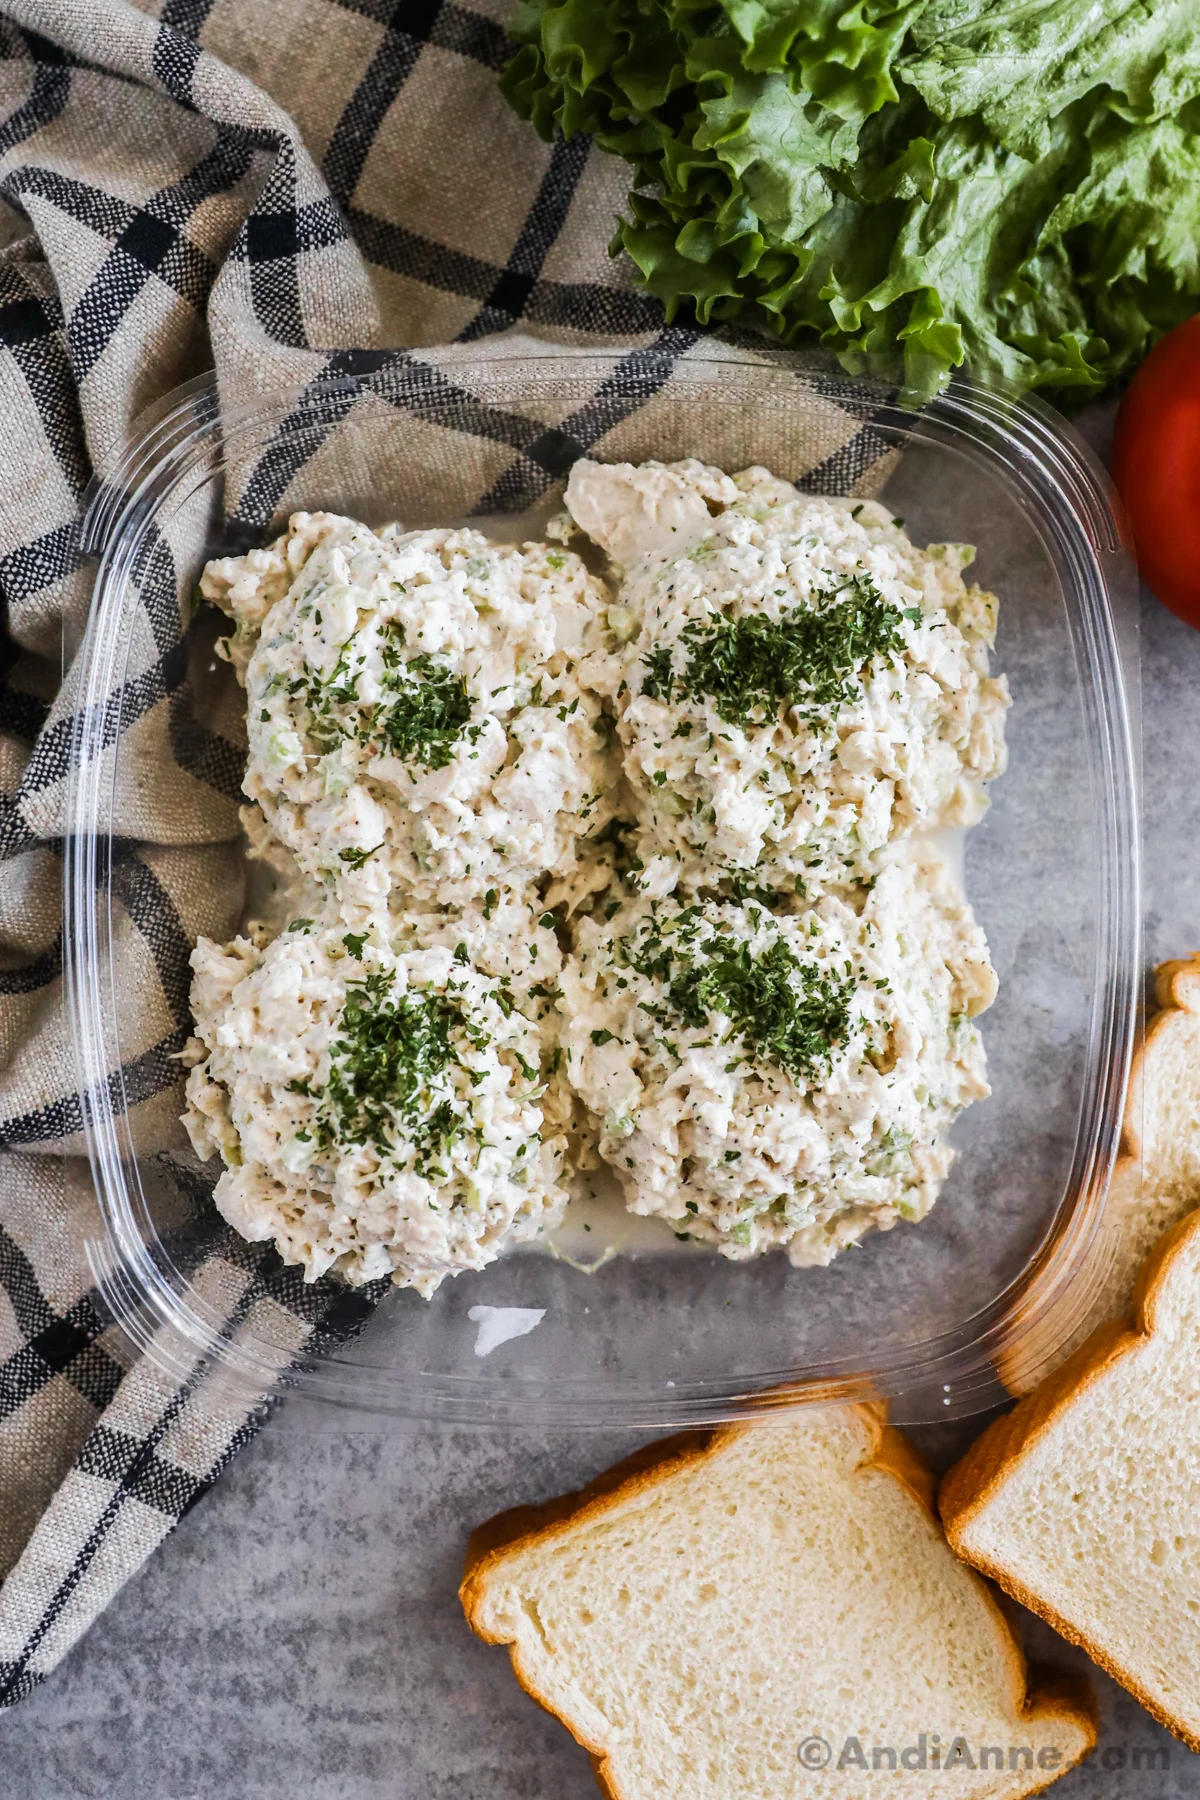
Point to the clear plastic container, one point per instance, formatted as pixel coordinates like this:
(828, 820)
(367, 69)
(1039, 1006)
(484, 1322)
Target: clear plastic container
(655, 1336)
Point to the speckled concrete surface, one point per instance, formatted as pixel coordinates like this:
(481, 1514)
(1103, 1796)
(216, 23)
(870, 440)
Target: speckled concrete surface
(299, 1637)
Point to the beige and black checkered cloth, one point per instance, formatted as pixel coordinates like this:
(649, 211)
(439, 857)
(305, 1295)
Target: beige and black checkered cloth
(282, 189)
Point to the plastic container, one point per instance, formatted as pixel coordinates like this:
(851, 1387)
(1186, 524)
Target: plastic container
(654, 1337)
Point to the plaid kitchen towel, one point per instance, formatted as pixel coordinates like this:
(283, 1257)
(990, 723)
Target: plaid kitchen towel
(282, 190)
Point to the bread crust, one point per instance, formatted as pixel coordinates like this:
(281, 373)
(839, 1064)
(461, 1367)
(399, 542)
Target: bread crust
(969, 1487)
(1176, 990)
(884, 1450)
(518, 1526)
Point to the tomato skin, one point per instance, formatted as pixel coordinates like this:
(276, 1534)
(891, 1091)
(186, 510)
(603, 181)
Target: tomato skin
(1156, 468)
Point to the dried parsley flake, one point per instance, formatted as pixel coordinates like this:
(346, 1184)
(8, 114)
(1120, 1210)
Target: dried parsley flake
(750, 667)
(386, 1083)
(786, 1012)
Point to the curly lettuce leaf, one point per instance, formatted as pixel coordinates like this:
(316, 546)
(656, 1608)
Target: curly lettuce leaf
(1130, 230)
(1017, 66)
(776, 146)
(959, 259)
(1011, 185)
(623, 56)
(841, 55)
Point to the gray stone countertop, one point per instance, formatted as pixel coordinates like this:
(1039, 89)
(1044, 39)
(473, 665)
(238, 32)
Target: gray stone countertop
(299, 1637)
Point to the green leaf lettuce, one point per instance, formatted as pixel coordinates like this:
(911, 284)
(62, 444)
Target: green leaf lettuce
(1011, 185)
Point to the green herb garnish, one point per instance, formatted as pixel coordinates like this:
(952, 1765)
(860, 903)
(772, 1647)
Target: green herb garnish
(658, 682)
(785, 1011)
(386, 1069)
(424, 711)
(428, 714)
(750, 667)
(354, 859)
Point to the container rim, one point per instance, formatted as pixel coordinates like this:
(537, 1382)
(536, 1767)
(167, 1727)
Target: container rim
(1064, 491)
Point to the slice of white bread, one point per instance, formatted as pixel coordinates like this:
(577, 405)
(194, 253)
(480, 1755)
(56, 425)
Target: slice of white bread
(1155, 1183)
(1084, 1501)
(708, 1616)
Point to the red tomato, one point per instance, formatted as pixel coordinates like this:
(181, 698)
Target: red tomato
(1156, 467)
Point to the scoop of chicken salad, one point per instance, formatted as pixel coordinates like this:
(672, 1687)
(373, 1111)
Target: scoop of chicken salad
(783, 1077)
(616, 843)
(417, 728)
(796, 685)
(377, 1096)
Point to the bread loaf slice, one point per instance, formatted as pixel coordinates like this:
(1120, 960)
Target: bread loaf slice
(770, 1612)
(1084, 1501)
(1156, 1180)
